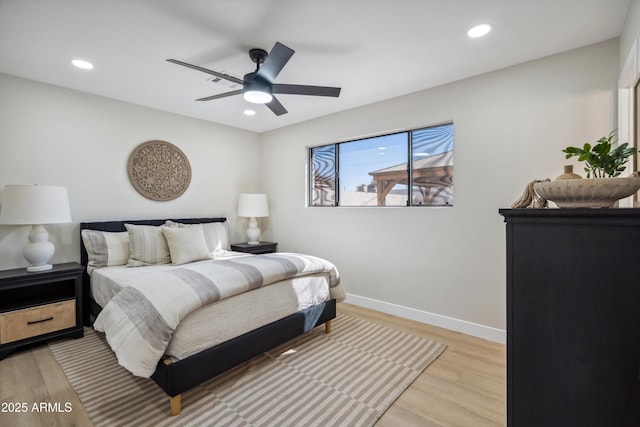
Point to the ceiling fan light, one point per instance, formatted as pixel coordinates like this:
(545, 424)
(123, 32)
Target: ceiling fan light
(257, 96)
(256, 90)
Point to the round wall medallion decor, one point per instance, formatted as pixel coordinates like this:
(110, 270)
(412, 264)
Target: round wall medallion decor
(159, 170)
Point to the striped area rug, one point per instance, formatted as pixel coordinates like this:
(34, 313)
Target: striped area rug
(346, 378)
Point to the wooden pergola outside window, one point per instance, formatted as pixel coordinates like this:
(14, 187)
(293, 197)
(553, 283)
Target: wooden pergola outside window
(432, 175)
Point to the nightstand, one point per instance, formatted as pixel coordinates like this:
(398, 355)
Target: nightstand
(259, 248)
(39, 306)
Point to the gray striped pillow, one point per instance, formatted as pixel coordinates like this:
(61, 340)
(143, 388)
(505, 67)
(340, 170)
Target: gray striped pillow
(105, 248)
(147, 245)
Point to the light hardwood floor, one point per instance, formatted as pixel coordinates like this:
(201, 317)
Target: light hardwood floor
(465, 386)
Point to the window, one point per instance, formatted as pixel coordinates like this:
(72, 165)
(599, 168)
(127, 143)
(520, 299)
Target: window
(413, 168)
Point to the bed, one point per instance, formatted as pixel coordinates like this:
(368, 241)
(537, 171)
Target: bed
(213, 338)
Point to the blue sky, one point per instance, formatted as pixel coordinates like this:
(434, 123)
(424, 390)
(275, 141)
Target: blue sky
(358, 158)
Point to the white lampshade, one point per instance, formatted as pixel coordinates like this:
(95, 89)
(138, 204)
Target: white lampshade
(253, 205)
(35, 205)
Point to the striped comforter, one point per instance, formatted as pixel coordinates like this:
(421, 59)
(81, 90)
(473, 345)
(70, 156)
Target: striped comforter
(139, 320)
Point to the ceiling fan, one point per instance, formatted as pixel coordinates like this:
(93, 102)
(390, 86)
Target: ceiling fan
(258, 87)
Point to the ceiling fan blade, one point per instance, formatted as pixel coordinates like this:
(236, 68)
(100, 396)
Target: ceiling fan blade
(306, 90)
(276, 60)
(277, 108)
(220, 95)
(204, 70)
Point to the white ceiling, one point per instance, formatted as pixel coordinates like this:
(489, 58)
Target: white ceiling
(373, 49)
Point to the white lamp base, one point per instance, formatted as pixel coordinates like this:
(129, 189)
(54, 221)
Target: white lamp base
(39, 250)
(43, 267)
(253, 232)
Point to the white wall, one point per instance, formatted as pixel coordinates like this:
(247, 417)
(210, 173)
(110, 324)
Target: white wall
(630, 32)
(628, 99)
(56, 136)
(446, 265)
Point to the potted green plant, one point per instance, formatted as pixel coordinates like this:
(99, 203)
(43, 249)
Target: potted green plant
(600, 160)
(603, 186)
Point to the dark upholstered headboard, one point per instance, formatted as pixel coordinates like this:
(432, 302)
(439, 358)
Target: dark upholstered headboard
(115, 226)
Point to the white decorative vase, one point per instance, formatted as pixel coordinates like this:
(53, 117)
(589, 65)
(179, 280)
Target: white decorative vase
(587, 192)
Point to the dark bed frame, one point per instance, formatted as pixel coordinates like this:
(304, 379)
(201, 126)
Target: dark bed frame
(180, 376)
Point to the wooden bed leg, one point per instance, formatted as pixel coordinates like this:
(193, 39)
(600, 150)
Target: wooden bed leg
(176, 403)
(327, 327)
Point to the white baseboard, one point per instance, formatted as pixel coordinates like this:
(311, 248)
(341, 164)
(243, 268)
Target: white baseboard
(474, 329)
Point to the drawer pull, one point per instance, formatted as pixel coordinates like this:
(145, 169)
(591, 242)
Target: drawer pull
(33, 322)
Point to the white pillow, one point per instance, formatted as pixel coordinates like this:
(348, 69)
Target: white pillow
(216, 234)
(147, 245)
(186, 244)
(105, 248)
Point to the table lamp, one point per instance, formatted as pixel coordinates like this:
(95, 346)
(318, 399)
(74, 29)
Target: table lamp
(253, 206)
(35, 205)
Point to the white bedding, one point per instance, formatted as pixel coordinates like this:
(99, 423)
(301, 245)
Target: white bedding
(215, 322)
(106, 282)
(229, 318)
(220, 321)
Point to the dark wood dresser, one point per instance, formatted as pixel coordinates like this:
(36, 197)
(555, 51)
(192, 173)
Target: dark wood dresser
(573, 317)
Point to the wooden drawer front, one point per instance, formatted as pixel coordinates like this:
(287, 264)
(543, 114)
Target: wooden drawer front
(31, 322)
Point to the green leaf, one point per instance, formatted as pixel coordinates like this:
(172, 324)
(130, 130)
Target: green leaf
(601, 160)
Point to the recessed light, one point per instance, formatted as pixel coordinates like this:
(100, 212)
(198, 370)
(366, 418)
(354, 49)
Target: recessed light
(249, 113)
(479, 30)
(81, 63)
